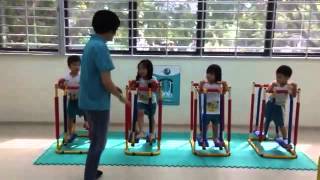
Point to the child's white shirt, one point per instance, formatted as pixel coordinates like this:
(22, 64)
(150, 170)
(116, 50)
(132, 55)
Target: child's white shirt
(73, 81)
(213, 98)
(143, 95)
(281, 98)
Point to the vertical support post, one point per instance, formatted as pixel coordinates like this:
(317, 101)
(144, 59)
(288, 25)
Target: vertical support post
(65, 113)
(127, 116)
(159, 117)
(229, 115)
(252, 108)
(296, 124)
(191, 108)
(56, 110)
(195, 119)
(262, 115)
(318, 177)
(221, 117)
(204, 119)
(258, 108)
(290, 119)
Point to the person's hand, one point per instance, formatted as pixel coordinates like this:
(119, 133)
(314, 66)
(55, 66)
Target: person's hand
(124, 100)
(61, 83)
(271, 87)
(119, 89)
(293, 89)
(225, 87)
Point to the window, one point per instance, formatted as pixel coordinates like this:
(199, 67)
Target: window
(78, 19)
(167, 27)
(28, 25)
(297, 27)
(235, 26)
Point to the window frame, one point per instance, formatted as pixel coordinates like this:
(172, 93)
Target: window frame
(63, 48)
(32, 50)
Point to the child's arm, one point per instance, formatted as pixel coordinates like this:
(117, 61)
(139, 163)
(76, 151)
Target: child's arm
(201, 84)
(62, 83)
(271, 87)
(293, 89)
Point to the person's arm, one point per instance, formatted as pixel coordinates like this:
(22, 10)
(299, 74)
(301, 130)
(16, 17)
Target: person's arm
(104, 65)
(270, 89)
(293, 89)
(110, 86)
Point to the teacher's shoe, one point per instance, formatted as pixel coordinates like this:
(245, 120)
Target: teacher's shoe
(99, 174)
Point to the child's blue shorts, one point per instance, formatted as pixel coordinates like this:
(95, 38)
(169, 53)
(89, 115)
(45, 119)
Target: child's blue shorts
(213, 118)
(274, 113)
(73, 109)
(147, 109)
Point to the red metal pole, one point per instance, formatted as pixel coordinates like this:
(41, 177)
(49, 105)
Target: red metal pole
(296, 124)
(126, 117)
(195, 119)
(160, 120)
(130, 110)
(56, 113)
(191, 110)
(56, 108)
(252, 109)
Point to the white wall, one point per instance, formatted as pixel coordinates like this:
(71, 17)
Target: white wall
(26, 92)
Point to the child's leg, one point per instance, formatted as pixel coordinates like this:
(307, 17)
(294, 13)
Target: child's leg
(284, 132)
(214, 131)
(70, 128)
(140, 122)
(152, 130)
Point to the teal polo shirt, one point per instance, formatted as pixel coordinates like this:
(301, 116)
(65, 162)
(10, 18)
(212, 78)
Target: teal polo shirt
(95, 60)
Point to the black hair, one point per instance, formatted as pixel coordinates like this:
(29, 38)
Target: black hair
(146, 63)
(105, 21)
(73, 59)
(284, 70)
(216, 70)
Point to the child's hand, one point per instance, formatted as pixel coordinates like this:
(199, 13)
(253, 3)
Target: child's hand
(133, 84)
(225, 87)
(61, 83)
(201, 84)
(271, 87)
(293, 89)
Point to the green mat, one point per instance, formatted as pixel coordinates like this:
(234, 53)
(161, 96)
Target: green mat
(176, 152)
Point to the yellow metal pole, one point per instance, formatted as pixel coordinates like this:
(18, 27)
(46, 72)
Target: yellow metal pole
(318, 177)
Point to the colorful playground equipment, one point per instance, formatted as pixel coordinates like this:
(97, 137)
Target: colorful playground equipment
(131, 114)
(61, 142)
(256, 132)
(198, 97)
(318, 177)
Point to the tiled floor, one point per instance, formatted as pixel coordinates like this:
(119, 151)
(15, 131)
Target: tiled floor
(20, 144)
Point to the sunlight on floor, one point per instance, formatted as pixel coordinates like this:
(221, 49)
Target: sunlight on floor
(26, 144)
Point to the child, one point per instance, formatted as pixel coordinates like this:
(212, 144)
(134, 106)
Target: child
(213, 100)
(144, 78)
(71, 82)
(275, 108)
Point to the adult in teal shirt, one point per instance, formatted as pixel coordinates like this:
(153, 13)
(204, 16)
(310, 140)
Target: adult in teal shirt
(96, 87)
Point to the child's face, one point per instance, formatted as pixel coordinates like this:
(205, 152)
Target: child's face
(142, 71)
(282, 79)
(74, 67)
(211, 77)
